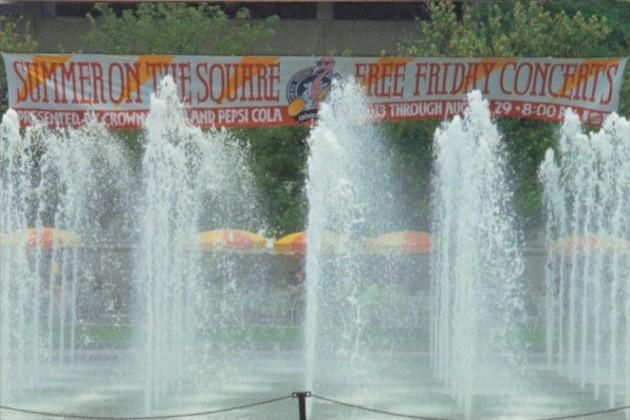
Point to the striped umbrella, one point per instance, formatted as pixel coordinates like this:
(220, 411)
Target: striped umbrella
(295, 243)
(405, 242)
(581, 243)
(230, 239)
(46, 237)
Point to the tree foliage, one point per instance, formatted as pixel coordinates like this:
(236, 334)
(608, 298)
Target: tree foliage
(14, 37)
(277, 156)
(507, 30)
(512, 29)
(278, 160)
(175, 28)
(571, 28)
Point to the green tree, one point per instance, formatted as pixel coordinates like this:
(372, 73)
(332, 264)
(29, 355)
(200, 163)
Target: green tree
(175, 28)
(277, 155)
(278, 161)
(510, 29)
(507, 30)
(617, 14)
(14, 37)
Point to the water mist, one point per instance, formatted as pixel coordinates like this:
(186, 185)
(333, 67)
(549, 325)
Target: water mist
(350, 320)
(74, 180)
(588, 288)
(476, 258)
(193, 181)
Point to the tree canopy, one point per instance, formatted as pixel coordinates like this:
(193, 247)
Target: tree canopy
(175, 28)
(559, 29)
(278, 155)
(14, 37)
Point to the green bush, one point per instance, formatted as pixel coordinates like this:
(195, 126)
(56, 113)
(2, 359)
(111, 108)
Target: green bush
(15, 37)
(175, 28)
(529, 29)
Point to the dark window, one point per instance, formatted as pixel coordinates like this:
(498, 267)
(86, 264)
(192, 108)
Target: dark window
(258, 10)
(74, 9)
(381, 11)
(262, 10)
(12, 9)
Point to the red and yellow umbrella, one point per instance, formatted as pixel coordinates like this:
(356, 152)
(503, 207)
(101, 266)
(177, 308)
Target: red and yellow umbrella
(295, 243)
(593, 242)
(45, 237)
(405, 242)
(230, 239)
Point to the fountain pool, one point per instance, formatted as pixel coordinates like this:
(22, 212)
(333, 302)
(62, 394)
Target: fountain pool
(129, 317)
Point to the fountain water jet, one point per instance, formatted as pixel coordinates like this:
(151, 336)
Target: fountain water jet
(476, 258)
(192, 180)
(350, 319)
(50, 178)
(588, 298)
(197, 347)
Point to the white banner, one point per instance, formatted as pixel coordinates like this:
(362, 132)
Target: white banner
(255, 91)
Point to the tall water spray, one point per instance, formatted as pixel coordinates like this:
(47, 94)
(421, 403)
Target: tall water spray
(74, 180)
(192, 181)
(476, 260)
(587, 200)
(350, 195)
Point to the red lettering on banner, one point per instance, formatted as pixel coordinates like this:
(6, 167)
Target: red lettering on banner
(229, 89)
(262, 82)
(273, 93)
(151, 68)
(569, 77)
(131, 78)
(67, 75)
(246, 91)
(470, 78)
(33, 84)
(420, 74)
(582, 80)
(434, 78)
(384, 79)
(84, 76)
(540, 75)
(557, 93)
(444, 78)
(518, 78)
(20, 96)
(246, 82)
(185, 80)
(611, 84)
(116, 100)
(218, 96)
(49, 73)
(502, 78)
(204, 83)
(98, 89)
(458, 78)
(597, 68)
(487, 69)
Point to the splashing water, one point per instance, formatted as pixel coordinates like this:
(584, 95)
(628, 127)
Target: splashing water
(476, 260)
(203, 318)
(588, 298)
(350, 318)
(50, 178)
(193, 180)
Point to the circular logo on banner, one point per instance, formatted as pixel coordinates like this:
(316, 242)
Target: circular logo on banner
(309, 87)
